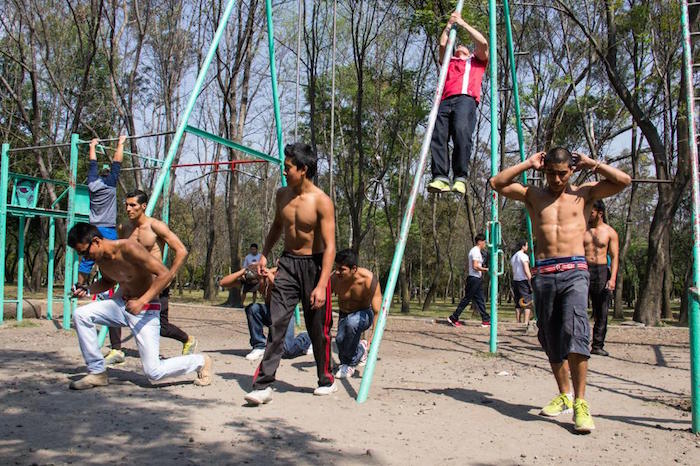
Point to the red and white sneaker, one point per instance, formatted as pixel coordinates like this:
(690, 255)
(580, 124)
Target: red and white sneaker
(454, 322)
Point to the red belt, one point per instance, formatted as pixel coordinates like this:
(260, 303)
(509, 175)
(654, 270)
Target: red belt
(554, 268)
(152, 307)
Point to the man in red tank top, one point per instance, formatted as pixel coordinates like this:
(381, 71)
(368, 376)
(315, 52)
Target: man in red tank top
(456, 116)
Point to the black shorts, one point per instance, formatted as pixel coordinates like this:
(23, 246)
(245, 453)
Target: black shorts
(521, 289)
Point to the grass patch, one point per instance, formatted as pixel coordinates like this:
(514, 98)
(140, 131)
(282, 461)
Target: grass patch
(26, 323)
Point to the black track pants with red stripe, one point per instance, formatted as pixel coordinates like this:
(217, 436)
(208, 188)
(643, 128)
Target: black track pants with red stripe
(297, 276)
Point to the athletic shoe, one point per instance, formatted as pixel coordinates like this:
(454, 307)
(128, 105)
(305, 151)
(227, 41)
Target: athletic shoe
(454, 322)
(115, 357)
(256, 354)
(438, 186)
(259, 397)
(363, 359)
(599, 352)
(485, 324)
(531, 328)
(204, 373)
(560, 404)
(190, 346)
(344, 371)
(583, 421)
(90, 381)
(310, 350)
(326, 390)
(459, 187)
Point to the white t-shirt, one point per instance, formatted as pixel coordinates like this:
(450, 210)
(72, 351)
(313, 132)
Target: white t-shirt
(517, 263)
(475, 255)
(251, 259)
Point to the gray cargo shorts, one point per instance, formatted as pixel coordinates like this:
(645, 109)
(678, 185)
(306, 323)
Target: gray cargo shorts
(561, 305)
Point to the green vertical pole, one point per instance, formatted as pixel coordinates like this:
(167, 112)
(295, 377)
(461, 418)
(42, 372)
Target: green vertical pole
(70, 221)
(4, 170)
(104, 330)
(199, 83)
(20, 268)
(406, 222)
(518, 117)
(494, 225)
(694, 311)
(165, 216)
(276, 104)
(49, 279)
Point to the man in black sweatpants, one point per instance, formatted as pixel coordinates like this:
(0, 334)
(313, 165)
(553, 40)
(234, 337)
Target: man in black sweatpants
(305, 214)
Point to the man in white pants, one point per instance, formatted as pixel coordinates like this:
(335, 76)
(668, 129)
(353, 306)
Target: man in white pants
(141, 278)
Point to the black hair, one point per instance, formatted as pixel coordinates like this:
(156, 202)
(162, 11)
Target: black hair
(520, 244)
(479, 237)
(254, 245)
(140, 196)
(559, 155)
(302, 156)
(83, 233)
(599, 205)
(346, 257)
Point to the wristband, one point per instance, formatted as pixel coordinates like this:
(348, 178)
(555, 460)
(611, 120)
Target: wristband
(595, 168)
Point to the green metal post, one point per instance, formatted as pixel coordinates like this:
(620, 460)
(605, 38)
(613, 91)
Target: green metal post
(406, 223)
(104, 330)
(495, 230)
(694, 311)
(49, 279)
(276, 104)
(518, 117)
(165, 216)
(5, 170)
(199, 83)
(20, 267)
(70, 221)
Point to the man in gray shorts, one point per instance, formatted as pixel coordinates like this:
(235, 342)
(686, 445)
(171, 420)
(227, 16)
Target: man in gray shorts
(560, 277)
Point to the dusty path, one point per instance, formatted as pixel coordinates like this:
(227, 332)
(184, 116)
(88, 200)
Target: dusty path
(437, 398)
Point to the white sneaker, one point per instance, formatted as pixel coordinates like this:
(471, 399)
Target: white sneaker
(258, 397)
(256, 354)
(326, 390)
(310, 350)
(344, 372)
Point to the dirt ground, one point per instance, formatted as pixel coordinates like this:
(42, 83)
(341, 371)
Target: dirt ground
(437, 398)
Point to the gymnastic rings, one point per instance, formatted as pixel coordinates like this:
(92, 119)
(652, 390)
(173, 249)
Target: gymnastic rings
(373, 193)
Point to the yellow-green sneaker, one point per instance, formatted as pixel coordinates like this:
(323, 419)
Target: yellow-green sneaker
(560, 404)
(583, 421)
(115, 357)
(438, 186)
(459, 187)
(190, 346)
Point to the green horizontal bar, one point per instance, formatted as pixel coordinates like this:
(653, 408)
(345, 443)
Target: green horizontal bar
(22, 176)
(127, 152)
(31, 212)
(233, 145)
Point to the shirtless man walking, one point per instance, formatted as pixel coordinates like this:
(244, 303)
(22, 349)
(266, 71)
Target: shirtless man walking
(359, 301)
(305, 215)
(141, 277)
(560, 276)
(600, 241)
(152, 234)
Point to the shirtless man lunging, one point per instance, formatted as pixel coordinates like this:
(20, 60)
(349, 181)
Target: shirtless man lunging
(600, 241)
(141, 277)
(359, 301)
(152, 234)
(304, 214)
(559, 213)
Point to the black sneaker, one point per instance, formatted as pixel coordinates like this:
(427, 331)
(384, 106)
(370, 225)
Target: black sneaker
(599, 352)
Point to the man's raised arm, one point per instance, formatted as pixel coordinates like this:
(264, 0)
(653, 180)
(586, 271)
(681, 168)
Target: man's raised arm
(504, 182)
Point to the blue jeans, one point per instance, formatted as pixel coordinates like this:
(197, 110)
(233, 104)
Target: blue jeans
(258, 316)
(350, 328)
(85, 266)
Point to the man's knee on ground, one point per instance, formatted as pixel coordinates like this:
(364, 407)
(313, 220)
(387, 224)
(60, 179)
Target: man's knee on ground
(154, 372)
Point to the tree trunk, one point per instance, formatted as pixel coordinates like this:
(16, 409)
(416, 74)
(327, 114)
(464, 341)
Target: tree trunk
(430, 295)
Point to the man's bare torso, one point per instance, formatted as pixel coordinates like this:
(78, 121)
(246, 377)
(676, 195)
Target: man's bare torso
(300, 220)
(596, 241)
(559, 221)
(356, 292)
(134, 280)
(148, 238)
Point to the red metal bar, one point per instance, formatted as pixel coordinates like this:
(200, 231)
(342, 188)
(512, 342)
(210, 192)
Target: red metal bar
(209, 164)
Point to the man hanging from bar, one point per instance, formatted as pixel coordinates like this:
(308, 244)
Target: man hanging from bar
(456, 117)
(559, 213)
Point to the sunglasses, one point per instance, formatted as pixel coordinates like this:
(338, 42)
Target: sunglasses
(86, 252)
